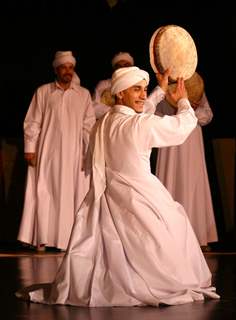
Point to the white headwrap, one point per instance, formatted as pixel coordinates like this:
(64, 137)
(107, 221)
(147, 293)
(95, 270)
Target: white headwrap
(62, 57)
(122, 56)
(126, 77)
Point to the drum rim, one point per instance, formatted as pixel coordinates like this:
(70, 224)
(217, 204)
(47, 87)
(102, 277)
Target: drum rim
(152, 55)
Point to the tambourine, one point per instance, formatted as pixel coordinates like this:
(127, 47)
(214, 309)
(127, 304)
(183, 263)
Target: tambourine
(172, 47)
(107, 98)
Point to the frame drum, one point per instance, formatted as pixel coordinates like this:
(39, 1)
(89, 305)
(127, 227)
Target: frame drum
(107, 98)
(172, 47)
(194, 87)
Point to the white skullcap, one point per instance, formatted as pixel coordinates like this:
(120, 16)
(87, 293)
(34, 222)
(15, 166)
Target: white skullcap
(122, 56)
(126, 77)
(62, 57)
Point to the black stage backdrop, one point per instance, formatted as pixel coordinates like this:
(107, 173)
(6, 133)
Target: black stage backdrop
(31, 32)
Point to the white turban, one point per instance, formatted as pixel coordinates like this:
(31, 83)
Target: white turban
(62, 57)
(122, 56)
(126, 77)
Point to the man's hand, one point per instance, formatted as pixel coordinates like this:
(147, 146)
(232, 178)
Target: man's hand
(179, 92)
(163, 79)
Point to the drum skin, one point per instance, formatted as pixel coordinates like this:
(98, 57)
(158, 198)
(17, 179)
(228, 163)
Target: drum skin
(172, 47)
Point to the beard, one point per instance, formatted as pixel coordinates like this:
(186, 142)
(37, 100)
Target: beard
(66, 78)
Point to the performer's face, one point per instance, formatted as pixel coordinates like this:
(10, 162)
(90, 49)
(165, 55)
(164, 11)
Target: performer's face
(134, 97)
(65, 72)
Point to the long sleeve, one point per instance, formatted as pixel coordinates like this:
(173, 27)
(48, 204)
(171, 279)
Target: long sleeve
(33, 122)
(89, 121)
(170, 130)
(155, 97)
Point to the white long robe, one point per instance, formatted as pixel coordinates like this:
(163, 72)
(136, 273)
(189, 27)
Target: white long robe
(182, 170)
(131, 243)
(57, 128)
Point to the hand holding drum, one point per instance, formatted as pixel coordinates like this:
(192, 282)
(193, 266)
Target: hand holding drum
(171, 47)
(194, 87)
(178, 92)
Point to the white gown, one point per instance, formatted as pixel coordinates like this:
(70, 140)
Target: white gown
(182, 170)
(57, 127)
(131, 244)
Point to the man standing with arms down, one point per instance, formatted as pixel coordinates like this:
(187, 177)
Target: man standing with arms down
(128, 246)
(56, 134)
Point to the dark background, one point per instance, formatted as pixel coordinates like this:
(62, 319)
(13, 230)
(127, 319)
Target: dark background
(31, 31)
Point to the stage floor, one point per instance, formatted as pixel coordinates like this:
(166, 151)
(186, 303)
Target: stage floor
(22, 268)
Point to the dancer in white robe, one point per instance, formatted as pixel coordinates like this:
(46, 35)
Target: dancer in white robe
(182, 169)
(56, 134)
(129, 247)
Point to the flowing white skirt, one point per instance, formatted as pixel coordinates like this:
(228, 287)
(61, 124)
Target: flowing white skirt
(128, 249)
